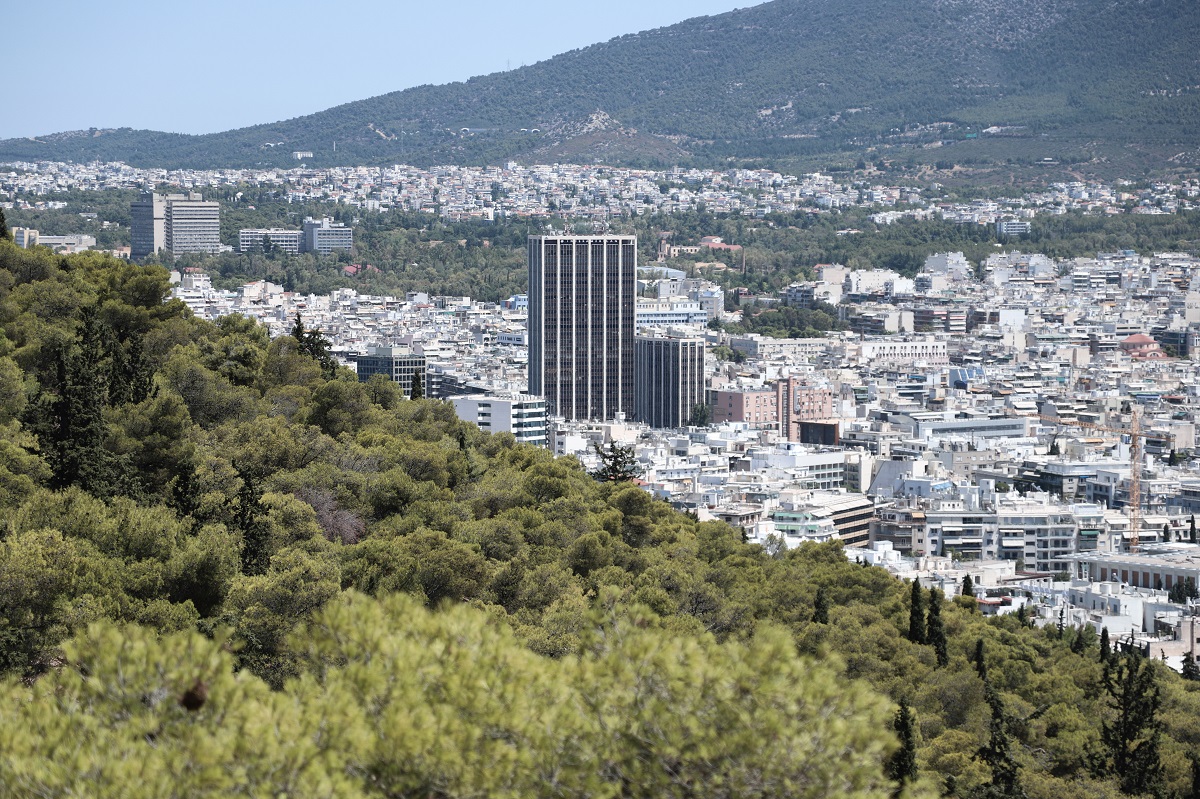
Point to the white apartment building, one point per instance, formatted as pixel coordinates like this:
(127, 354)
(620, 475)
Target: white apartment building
(522, 415)
(289, 241)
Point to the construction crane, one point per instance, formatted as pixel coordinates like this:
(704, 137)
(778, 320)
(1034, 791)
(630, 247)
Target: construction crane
(1134, 431)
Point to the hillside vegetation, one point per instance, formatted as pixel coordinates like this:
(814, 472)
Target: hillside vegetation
(229, 568)
(778, 80)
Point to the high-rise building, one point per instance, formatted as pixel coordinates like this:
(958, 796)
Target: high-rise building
(148, 225)
(669, 375)
(581, 321)
(177, 223)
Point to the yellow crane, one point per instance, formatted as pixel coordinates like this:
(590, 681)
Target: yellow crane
(1134, 431)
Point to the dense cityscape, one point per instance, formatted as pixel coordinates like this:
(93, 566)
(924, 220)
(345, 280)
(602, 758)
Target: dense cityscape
(975, 419)
(833, 447)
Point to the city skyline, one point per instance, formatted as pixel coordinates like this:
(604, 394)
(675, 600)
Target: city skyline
(460, 41)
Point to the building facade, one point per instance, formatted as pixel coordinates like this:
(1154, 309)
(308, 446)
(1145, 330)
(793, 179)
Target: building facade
(520, 414)
(581, 322)
(177, 223)
(669, 375)
(289, 241)
(325, 236)
(398, 364)
(147, 225)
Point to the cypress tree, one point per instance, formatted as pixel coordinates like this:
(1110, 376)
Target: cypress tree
(5, 234)
(1078, 642)
(1192, 528)
(1190, 670)
(1132, 737)
(980, 663)
(256, 534)
(821, 607)
(968, 586)
(916, 614)
(1105, 649)
(935, 631)
(902, 765)
(418, 389)
(996, 753)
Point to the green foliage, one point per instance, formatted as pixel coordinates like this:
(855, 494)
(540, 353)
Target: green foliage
(935, 630)
(617, 463)
(821, 607)
(916, 614)
(585, 632)
(1131, 737)
(902, 766)
(1181, 592)
(394, 700)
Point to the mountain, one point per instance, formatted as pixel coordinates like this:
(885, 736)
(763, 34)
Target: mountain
(782, 79)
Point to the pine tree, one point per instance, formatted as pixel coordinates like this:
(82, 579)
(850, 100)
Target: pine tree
(1105, 649)
(916, 614)
(315, 345)
(902, 765)
(821, 607)
(617, 463)
(1131, 738)
(968, 586)
(935, 631)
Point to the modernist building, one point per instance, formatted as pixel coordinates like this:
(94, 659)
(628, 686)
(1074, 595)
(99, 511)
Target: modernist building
(399, 364)
(581, 321)
(324, 236)
(178, 223)
(668, 371)
(520, 414)
(289, 241)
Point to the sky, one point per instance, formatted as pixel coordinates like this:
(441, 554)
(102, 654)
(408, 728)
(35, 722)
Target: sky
(201, 66)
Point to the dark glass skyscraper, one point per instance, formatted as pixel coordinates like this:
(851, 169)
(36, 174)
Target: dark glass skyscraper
(669, 371)
(581, 312)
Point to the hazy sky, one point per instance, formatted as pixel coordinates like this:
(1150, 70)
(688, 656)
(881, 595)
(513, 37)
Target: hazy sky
(199, 66)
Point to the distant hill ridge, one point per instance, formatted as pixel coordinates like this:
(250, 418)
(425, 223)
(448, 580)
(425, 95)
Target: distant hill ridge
(783, 78)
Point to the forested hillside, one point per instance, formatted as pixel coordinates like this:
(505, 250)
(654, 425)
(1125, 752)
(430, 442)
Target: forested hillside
(228, 568)
(781, 79)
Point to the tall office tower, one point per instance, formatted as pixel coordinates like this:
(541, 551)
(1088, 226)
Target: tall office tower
(178, 223)
(668, 371)
(147, 225)
(581, 314)
(193, 225)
